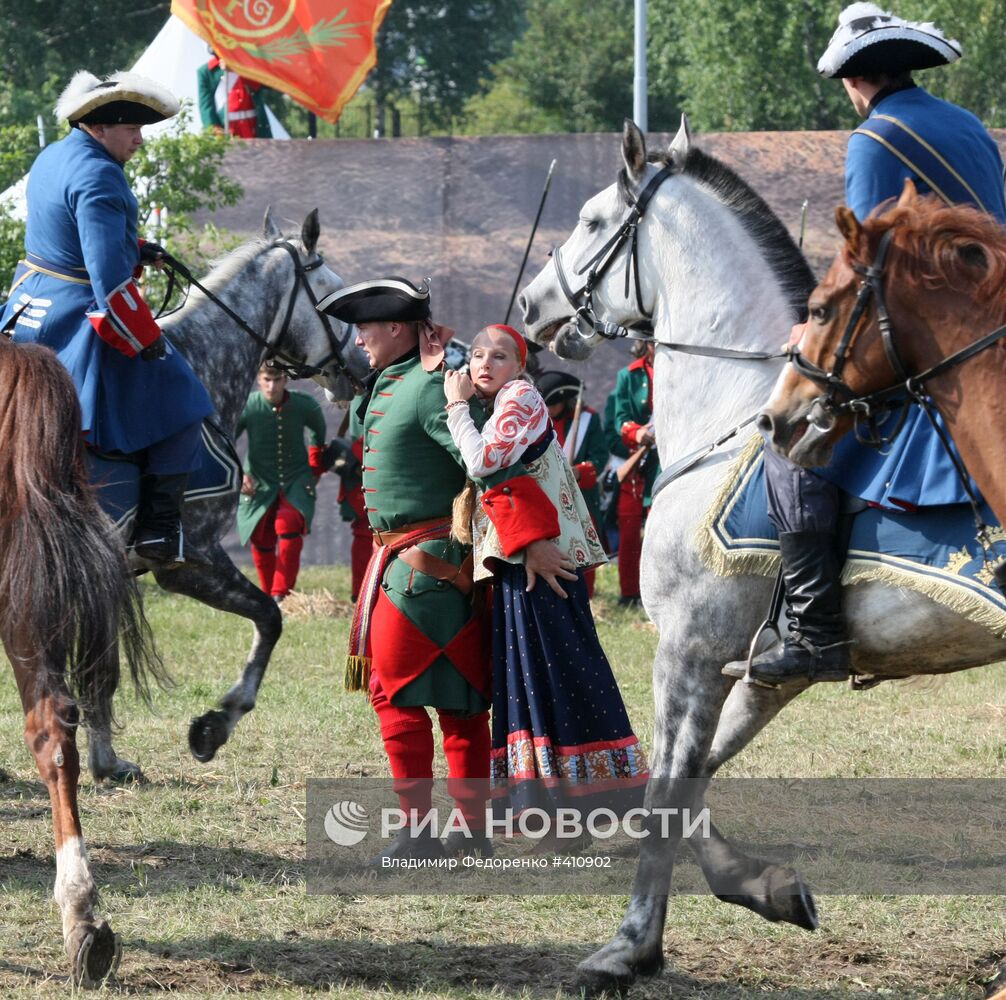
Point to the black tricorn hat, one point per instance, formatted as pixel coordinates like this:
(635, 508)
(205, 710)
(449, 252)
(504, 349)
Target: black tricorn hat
(557, 387)
(385, 300)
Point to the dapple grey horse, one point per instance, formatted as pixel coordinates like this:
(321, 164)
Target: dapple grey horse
(272, 284)
(710, 267)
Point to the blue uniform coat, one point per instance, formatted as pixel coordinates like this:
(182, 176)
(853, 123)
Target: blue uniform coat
(82, 232)
(915, 470)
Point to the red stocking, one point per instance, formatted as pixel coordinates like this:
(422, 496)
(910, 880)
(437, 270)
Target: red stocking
(467, 744)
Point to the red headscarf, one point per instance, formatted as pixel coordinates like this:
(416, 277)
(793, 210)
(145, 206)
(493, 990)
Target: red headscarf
(517, 339)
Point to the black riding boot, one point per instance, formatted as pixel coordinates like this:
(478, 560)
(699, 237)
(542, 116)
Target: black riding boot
(817, 647)
(157, 536)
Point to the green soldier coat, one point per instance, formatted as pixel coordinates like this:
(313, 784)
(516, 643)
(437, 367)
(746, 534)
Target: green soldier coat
(277, 456)
(633, 408)
(412, 472)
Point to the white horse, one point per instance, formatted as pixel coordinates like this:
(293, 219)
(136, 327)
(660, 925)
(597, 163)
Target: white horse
(715, 269)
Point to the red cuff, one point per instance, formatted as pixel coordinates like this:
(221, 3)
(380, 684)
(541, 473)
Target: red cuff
(629, 432)
(521, 512)
(315, 459)
(127, 323)
(586, 475)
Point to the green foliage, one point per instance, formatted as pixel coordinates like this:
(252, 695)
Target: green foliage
(440, 51)
(572, 68)
(173, 176)
(46, 41)
(182, 172)
(750, 66)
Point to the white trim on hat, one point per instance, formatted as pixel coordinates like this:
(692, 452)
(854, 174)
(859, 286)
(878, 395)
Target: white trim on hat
(85, 93)
(863, 25)
(419, 294)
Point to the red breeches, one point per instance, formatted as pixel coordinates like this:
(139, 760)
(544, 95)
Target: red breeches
(277, 542)
(630, 534)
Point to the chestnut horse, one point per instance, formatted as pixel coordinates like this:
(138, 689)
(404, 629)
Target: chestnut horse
(943, 282)
(66, 600)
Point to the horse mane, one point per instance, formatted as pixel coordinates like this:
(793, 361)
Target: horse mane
(224, 268)
(953, 246)
(772, 238)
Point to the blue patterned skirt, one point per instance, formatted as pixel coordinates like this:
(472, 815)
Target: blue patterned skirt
(561, 735)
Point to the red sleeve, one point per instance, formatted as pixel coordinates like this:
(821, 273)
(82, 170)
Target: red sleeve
(586, 475)
(521, 512)
(315, 458)
(629, 432)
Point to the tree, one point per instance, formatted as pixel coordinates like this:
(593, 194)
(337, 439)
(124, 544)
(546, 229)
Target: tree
(573, 67)
(46, 41)
(439, 52)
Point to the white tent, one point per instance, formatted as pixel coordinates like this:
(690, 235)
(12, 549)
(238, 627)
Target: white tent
(171, 59)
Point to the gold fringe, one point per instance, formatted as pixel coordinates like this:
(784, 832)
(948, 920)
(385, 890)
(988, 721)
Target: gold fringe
(732, 562)
(953, 596)
(740, 562)
(357, 673)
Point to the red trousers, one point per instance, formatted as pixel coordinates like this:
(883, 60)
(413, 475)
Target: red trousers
(276, 544)
(630, 533)
(408, 740)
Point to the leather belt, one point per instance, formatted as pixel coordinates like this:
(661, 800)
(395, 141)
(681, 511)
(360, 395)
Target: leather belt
(460, 577)
(394, 537)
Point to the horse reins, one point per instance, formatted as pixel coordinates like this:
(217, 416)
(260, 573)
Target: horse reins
(273, 350)
(827, 409)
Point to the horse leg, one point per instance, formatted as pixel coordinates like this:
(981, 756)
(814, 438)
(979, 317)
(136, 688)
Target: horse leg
(688, 701)
(102, 760)
(221, 585)
(773, 891)
(50, 732)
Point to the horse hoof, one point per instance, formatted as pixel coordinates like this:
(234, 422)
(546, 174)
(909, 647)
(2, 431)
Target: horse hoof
(207, 735)
(126, 773)
(94, 951)
(614, 979)
(784, 898)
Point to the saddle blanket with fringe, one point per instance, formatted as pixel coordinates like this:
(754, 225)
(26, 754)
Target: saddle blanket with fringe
(933, 551)
(117, 477)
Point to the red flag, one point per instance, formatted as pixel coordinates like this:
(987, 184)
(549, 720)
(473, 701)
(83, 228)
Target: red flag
(317, 51)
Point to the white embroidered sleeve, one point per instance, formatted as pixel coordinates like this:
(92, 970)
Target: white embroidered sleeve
(518, 420)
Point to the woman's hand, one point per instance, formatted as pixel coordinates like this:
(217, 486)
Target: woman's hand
(247, 486)
(457, 387)
(544, 559)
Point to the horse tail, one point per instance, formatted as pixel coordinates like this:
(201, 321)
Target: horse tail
(65, 586)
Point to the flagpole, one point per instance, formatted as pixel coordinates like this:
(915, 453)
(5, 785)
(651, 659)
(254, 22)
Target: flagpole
(527, 249)
(639, 101)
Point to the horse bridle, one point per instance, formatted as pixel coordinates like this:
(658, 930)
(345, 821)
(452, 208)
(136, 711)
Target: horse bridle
(273, 350)
(587, 322)
(599, 264)
(826, 409)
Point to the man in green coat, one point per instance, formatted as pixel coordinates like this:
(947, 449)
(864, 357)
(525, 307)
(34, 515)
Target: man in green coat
(633, 421)
(416, 630)
(243, 103)
(278, 490)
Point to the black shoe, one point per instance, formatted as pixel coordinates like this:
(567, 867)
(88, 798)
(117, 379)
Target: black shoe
(157, 537)
(475, 844)
(817, 648)
(796, 659)
(630, 602)
(406, 847)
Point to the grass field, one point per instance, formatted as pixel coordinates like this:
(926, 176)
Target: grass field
(201, 869)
